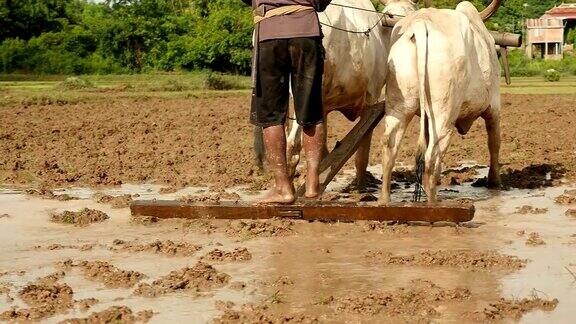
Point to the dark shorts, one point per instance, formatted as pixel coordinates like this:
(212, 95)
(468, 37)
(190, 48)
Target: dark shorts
(300, 60)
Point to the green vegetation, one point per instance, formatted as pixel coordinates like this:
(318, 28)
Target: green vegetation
(538, 86)
(520, 65)
(46, 90)
(75, 37)
(552, 75)
(124, 36)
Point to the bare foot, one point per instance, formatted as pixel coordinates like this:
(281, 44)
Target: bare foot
(312, 194)
(276, 197)
(312, 187)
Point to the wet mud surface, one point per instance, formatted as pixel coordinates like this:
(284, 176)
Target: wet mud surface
(124, 269)
(283, 270)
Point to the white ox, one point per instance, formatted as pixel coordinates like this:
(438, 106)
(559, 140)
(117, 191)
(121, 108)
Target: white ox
(444, 67)
(354, 70)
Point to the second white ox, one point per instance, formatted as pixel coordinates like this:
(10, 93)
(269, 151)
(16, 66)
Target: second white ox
(355, 67)
(444, 67)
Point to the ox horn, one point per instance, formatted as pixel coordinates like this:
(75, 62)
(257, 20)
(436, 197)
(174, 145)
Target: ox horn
(490, 10)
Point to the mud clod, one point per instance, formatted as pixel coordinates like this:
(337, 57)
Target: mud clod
(515, 309)
(114, 314)
(260, 314)
(383, 228)
(463, 259)
(85, 304)
(106, 273)
(571, 213)
(238, 255)
(46, 297)
(531, 177)
(84, 217)
(166, 247)
(534, 239)
(458, 177)
(567, 198)
(524, 210)
(260, 228)
(418, 300)
(46, 193)
(202, 277)
(117, 202)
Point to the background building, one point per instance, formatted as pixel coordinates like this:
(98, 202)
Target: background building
(545, 36)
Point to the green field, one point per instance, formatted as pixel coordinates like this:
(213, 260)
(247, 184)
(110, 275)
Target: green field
(537, 85)
(26, 89)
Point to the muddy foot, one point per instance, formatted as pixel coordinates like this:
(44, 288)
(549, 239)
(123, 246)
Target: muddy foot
(275, 197)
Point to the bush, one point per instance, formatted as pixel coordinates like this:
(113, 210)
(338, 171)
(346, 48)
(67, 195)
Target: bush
(215, 81)
(75, 83)
(552, 75)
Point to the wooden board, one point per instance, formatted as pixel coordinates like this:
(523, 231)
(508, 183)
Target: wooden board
(335, 160)
(313, 211)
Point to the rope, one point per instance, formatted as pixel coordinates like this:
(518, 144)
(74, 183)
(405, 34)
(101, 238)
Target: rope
(383, 16)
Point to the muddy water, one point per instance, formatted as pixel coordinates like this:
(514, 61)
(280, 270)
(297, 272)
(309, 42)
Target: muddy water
(298, 273)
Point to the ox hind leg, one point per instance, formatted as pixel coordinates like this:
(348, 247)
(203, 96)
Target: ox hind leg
(492, 119)
(394, 130)
(437, 146)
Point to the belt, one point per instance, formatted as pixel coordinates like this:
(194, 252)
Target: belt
(280, 11)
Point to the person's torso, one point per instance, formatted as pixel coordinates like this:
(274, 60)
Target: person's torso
(301, 24)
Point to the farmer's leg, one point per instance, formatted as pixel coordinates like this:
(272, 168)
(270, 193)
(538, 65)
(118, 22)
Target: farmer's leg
(269, 108)
(307, 55)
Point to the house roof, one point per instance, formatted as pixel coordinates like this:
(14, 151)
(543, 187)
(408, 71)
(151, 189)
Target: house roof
(563, 11)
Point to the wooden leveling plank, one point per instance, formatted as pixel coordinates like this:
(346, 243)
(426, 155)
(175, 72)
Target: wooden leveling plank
(319, 211)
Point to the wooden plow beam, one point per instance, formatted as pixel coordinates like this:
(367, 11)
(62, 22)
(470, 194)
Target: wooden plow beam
(335, 160)
(312, 211)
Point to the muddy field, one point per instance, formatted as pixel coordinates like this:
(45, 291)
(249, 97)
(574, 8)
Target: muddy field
(70, 251)
(191, 142)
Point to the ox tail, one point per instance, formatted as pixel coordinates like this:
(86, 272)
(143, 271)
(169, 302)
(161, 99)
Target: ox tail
(421, 40)
(259, 150)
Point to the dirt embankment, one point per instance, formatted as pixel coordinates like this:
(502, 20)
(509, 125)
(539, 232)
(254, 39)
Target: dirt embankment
(209, 141)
